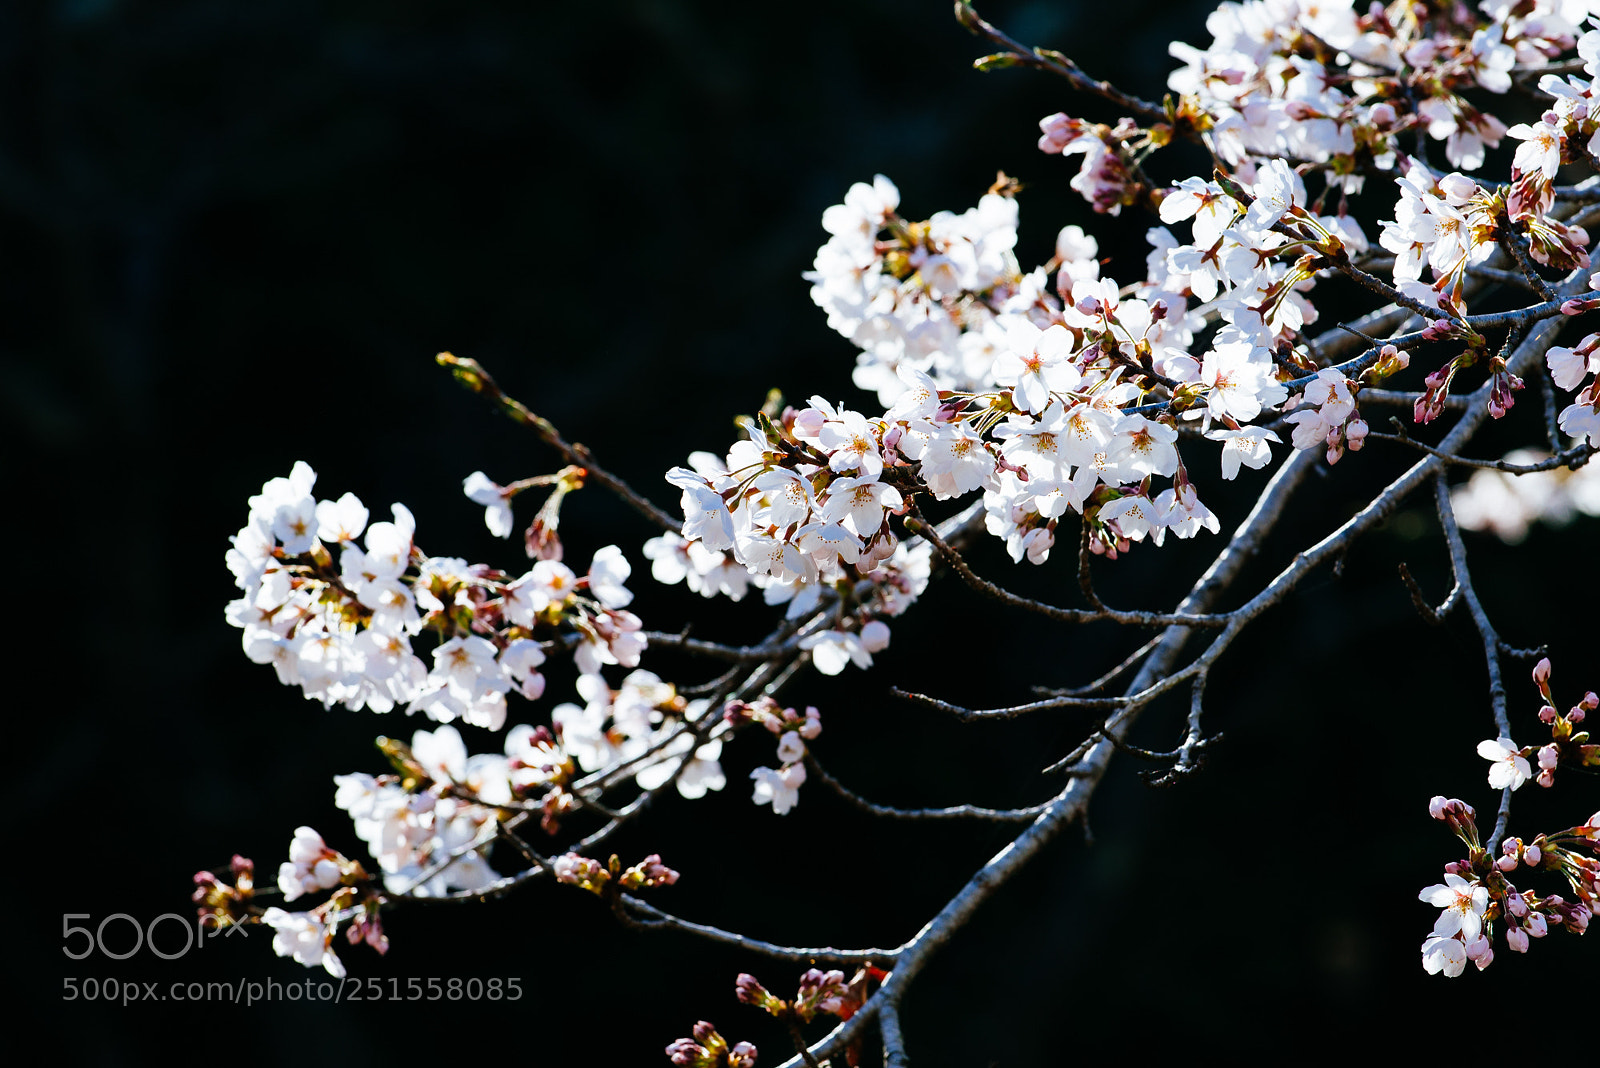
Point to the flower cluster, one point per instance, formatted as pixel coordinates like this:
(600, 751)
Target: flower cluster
(708, 1049)
(341, 629)
(429, 827)
(585, 873)
(1570, 368)
(642, 723)
(1477, 893)
(1337, 84)
(779, 787)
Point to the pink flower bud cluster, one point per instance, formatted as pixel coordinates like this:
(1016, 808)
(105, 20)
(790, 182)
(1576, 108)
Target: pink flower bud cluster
(1477, 893)
(708, 1049)
(819, 992)
(779, 787)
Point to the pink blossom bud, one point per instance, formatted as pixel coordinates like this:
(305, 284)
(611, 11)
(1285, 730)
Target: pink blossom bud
(813, 724)
(1541, 673)
(1591, 700)
(1549, 756)
(1547, 715)
(1576, 715)
(1334, 453)
(1550, 118)
(1382, 116)
(1532, 855)
(1516, 904)
(1458, 187)
(1088, 306)
(1480, 952)
(1536, 925)
(1506, 863)
(1355, 433)
(1545, 778)
(748, 989)
(1517, 939)
(1511, 846)
(1437, 806)
(1579, 305)
(1058, 131)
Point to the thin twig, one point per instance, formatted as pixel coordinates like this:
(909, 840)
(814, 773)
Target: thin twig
(1049, 611)
(1433, 616)
(1056, 63)
(1573, 458)
(472, 375)
(993, 815)
(655, 917)
(1104, 680)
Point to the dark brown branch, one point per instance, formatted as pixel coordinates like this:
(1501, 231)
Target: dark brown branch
(1572, 458)
(1056, 63)
(628, 905)
(1049, 611)
(1104, 680)
(1013, 815)
(1486, 631)
(1434, 616)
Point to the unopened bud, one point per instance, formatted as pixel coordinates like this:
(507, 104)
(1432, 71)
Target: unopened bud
(748, 989)
(1355, 433)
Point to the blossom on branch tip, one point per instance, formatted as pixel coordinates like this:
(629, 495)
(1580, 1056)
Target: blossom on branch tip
(1508, 767)
(496, 500)
(304, 937)
(780, 788)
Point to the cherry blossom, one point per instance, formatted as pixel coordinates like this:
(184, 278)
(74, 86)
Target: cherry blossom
(1508, 767)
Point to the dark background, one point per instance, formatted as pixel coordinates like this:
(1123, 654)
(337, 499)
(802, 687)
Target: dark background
(234, 236)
